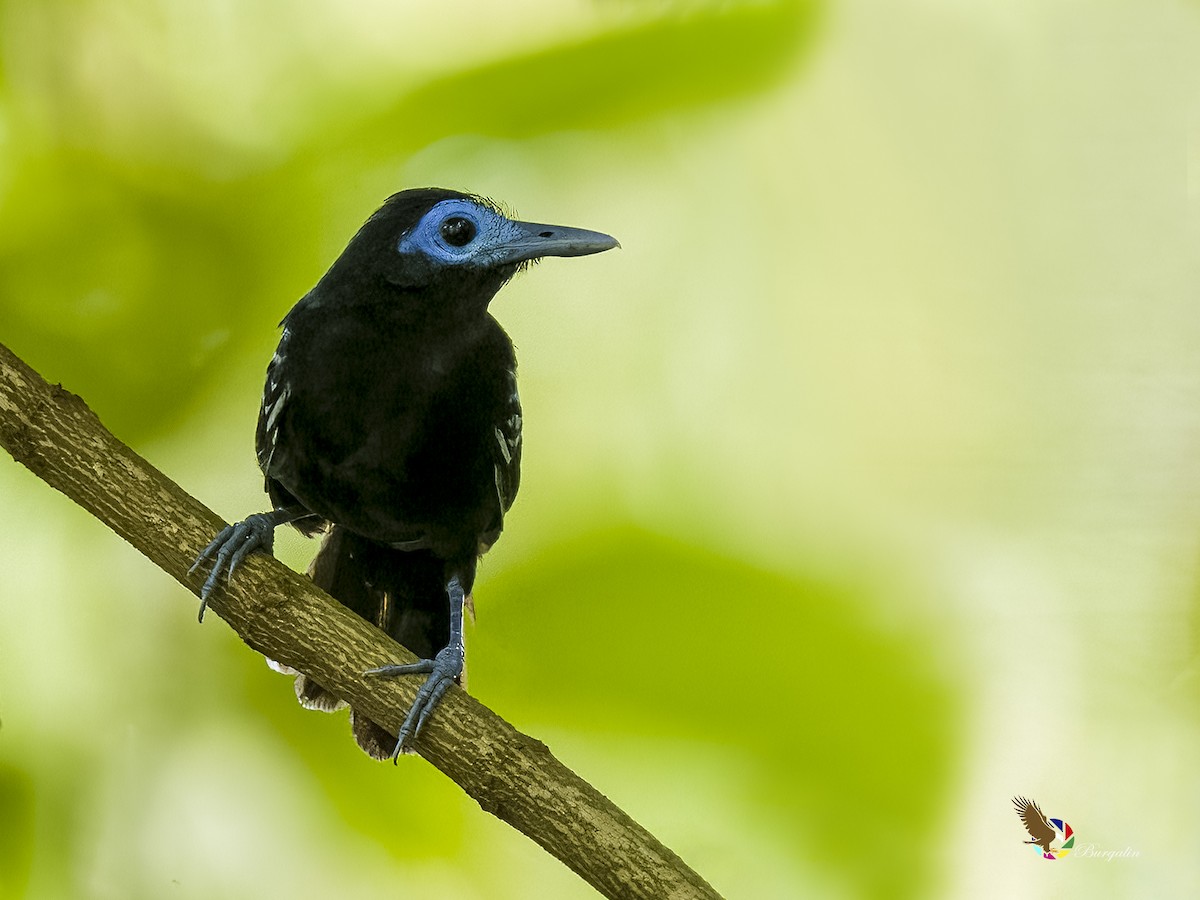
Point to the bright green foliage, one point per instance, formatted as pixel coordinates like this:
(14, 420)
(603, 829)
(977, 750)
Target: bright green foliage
(847, 733)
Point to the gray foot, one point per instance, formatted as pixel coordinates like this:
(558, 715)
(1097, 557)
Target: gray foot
(232, 545)
(443, 670)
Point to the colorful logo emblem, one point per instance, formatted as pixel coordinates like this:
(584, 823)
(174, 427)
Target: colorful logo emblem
(1045, 832)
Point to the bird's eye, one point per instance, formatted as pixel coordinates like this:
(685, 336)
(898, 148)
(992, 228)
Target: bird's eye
(457, 231)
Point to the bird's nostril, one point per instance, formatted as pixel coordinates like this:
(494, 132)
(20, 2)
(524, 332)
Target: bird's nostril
(546, 234)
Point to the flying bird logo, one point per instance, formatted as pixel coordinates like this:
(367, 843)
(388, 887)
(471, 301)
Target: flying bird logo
(1044, 831)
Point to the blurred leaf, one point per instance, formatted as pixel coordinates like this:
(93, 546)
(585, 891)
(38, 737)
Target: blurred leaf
(675, 62)
(16, 830)
(631, 632)
(125, 291)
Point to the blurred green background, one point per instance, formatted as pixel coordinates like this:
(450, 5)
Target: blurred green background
(862, 487)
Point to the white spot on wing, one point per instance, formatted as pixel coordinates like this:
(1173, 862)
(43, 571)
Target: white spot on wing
(503, 442)
(275, 395)
(274, 410)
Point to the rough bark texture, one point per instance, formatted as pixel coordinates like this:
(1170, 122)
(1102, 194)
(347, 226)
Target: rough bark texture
(280, 614)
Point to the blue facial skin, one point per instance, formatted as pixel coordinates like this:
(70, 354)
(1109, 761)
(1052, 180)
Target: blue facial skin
(462, 232)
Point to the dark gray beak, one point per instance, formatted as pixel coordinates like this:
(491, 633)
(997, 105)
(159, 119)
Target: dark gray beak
(529, 240)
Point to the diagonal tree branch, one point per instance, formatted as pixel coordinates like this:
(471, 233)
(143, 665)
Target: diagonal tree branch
(282, 615)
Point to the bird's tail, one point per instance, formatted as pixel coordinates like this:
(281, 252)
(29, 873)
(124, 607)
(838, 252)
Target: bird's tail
(402, 592)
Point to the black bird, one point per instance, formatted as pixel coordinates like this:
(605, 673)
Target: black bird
(390, 418)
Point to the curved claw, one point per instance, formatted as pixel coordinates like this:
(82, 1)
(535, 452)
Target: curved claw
(443, 670)
(231, 546)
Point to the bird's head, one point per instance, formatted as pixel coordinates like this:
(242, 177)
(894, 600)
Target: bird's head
(450, 252)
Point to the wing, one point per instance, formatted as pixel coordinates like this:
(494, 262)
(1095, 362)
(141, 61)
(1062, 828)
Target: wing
(274, 402)
(1035, 823)
(506, 454)
(272, 455)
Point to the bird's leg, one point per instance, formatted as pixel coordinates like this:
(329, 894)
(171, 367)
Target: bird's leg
(443, 670)
(235, 542)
